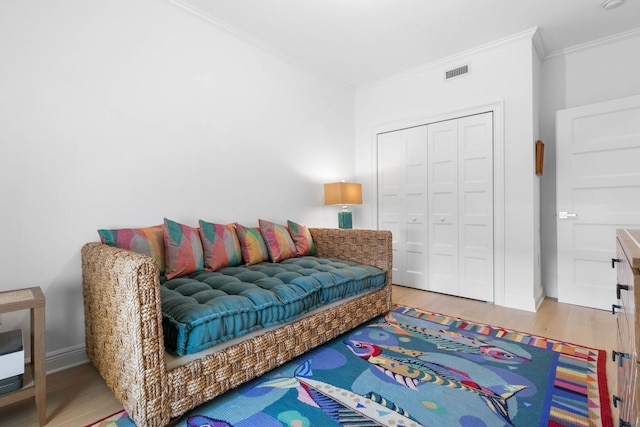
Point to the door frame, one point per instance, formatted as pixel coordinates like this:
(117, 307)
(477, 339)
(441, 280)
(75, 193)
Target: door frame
(497, 107)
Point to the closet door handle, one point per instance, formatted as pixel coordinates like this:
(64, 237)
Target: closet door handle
(613, 262)
(619, 288)
(615, 307)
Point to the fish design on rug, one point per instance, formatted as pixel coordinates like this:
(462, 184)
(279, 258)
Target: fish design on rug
(202, 421)
(343, 406)
(453, 341)
(410, 372)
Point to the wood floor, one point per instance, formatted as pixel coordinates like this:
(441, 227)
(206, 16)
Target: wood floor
(78, 396)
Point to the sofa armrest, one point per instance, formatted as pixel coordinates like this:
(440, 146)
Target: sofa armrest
(123, 327)
(368, 247)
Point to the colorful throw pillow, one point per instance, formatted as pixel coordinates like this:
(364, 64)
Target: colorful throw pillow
(301, 238)
(251, 245)
(148, 241)
(278, 241)
(220, 246)
(183, 249)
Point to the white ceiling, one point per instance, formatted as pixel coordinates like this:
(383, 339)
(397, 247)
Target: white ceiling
(362, 41)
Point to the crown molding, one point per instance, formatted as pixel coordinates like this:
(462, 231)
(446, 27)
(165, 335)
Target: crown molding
(538, 45)
(595, 43)
(254, 41)
(460, 56)
(227, 28)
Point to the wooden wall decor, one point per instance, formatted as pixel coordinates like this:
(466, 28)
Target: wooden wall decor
(539, 157)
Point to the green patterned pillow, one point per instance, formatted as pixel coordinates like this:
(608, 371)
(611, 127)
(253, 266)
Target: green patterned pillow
(220, 245)
(252, 245)
(183, 249)
(278, 241)
(148, 241)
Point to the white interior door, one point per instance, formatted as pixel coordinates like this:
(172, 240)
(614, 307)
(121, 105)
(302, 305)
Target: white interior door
(402, 182)
(390, 201)
(475, 206)
(415, 221)
(598, 190)
(460, 206)
(443, 206)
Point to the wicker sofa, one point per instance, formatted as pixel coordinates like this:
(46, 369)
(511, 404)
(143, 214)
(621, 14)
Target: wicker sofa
(124, 334)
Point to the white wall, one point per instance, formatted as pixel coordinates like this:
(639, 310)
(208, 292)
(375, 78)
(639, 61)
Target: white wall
(500, 72)
(602, 71)
(119, 113)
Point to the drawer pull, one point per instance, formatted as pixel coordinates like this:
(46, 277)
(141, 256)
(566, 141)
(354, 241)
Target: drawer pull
(619, 288)
(615, 307)
(613, 262)
(622, 356)
(616, 399)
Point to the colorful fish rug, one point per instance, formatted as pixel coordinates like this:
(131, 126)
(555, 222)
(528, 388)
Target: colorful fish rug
(415, 368)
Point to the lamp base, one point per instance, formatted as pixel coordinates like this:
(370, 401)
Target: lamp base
(344, 220)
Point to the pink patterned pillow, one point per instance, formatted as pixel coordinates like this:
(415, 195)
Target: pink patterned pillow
(148, 241)
(301, 238)
(183, 249)
(251, 245)
(220, 245)
(278, 240)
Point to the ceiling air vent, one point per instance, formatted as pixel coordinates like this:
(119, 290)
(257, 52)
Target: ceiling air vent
(456, 72)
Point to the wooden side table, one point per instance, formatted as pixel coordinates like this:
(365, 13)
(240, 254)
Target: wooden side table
(35, 379)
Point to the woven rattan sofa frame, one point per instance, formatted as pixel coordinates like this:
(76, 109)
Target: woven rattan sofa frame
(124, 337)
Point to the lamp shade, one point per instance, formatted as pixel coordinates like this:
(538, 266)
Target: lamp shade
(342, 193)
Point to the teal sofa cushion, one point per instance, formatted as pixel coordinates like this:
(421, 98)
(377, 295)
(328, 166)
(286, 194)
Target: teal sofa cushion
(205, 308)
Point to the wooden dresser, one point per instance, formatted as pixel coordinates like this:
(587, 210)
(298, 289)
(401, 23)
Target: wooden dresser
(627, 399)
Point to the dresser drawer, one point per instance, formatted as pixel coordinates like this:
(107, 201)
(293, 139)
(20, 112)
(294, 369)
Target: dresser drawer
(628, 323)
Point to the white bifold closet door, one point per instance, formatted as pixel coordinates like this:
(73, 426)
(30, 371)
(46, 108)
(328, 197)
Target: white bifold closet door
(435, 194)
(460, 206)
(402, 201)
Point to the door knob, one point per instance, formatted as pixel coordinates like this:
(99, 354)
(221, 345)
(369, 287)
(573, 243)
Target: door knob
(566, 215)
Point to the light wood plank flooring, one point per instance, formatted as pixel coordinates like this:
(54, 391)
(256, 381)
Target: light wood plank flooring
(78, 396)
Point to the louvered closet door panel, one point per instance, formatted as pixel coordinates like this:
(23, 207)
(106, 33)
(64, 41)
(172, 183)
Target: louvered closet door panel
(391, 203)
(443, 206)
(475, 206)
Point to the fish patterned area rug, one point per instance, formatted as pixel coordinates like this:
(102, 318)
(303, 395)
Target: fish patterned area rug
(415, 368)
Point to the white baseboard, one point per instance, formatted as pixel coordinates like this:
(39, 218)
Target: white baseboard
(65, 358)
(528, 304)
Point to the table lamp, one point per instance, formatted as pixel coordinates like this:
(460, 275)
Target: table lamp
(343, 193)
